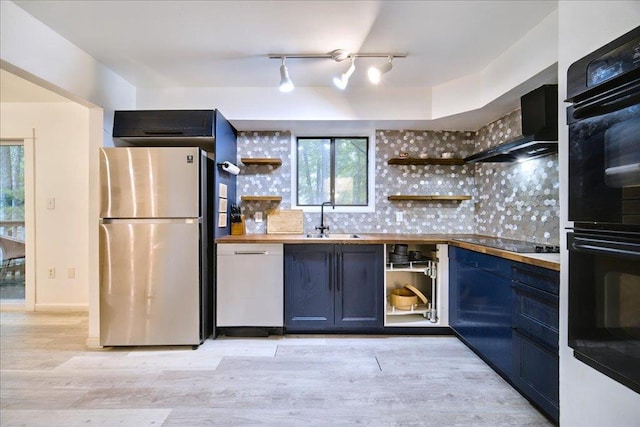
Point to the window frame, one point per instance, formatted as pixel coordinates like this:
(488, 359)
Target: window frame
(369, 135)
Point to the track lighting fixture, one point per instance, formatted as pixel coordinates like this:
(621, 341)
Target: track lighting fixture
(286, 85)
(342, 81)
(337, 55)
(375, 73)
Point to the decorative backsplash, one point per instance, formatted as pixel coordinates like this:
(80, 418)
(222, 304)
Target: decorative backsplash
(514, 200)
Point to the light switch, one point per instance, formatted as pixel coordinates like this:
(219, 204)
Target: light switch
(51, 203)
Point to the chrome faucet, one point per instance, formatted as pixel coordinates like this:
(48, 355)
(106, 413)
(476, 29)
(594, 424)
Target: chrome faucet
(323, 227)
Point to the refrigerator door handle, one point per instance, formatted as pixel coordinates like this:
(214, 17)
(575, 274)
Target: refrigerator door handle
(151, 221)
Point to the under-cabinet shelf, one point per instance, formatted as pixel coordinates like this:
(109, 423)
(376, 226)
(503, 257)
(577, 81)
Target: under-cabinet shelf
(422, 309)
(434, 198)
(268, 161)
(418, 161)
(261, 198)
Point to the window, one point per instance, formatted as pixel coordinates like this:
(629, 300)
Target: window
(332, 169)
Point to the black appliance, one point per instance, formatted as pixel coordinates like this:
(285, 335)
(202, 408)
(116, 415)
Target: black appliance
(510, 245)
(604, 203)
(604, 134)
(604, 303)
(539, 110)
(166, 128)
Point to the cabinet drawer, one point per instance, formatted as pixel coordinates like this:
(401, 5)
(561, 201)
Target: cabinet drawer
(537, 277)
(490, 263)
(535, 374)
(536, 315)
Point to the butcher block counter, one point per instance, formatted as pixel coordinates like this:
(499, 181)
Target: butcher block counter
(544, 260)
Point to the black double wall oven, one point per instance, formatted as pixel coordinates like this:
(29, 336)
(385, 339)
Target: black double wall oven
(604, 204)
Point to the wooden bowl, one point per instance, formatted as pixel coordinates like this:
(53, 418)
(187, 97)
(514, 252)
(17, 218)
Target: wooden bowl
(403, 299)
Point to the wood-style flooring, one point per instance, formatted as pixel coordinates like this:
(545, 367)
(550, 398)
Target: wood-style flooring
(49, 378)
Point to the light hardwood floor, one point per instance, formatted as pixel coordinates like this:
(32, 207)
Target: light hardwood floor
(49, 378)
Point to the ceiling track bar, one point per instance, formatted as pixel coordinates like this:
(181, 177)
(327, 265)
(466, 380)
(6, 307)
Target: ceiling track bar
(330, 55)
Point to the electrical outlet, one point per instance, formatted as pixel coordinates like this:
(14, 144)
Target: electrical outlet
(257, 216)
(399, 216)
(71, 273)
(52, 272)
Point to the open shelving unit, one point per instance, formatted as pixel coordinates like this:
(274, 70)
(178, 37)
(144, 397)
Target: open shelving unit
(418, 161)
(261, 161)
(427, 198)
(261, 198)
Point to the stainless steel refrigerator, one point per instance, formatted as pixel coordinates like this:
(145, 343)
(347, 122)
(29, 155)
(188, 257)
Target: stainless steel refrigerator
(155, 254)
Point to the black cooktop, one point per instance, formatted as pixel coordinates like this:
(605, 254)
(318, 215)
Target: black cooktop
(518, 246)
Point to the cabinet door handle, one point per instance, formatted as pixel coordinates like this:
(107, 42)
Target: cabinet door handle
(339, 273)
(327, 261)
(251, 252)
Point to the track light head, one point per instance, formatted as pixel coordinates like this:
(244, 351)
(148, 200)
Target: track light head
(339, 55)
(286, 85)
(342, 81)
(375, 73)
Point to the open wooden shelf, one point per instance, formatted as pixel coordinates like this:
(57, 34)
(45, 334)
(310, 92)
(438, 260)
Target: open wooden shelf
(434, 198)
(261, 198)
(418, 161)
(270, 161)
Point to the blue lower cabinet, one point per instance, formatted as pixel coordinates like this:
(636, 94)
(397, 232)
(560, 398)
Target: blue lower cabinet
(535, 335)
(536, 372)
(359, 296)
(333, 287)
(308, 287)
(480, 305)
(507, 312)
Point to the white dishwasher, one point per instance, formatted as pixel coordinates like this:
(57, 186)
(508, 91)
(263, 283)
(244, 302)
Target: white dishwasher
(250, 286)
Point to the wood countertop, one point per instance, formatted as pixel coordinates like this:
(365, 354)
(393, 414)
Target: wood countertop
(545, 260)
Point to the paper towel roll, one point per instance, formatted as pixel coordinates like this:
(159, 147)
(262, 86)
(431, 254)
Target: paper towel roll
(231, 168)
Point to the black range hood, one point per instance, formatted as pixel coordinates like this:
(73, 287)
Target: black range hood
(165, 128)
(539, 109)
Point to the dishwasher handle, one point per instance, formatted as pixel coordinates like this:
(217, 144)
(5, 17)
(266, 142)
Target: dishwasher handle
(251, 252)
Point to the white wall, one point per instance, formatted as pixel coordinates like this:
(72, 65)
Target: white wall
(525, 59)
(31, 50)
(62, 172)
(34, 51)
(587, 397)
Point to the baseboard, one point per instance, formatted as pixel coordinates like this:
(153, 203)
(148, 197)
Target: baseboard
(12, 306)
(93, 343)
(62, 307)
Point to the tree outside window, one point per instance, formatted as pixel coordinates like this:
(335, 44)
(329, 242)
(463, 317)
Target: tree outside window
(11, 186)
(332, 170)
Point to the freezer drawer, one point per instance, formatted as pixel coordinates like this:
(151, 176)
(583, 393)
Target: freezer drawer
(149, 283)
(150, 182)
(250, 285)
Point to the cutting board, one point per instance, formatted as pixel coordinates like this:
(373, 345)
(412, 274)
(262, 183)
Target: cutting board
(285, 221)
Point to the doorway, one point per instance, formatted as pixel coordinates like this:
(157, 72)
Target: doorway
(12, 222)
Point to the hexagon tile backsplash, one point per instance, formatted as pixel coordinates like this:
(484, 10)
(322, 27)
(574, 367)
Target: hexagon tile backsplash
(510, 200)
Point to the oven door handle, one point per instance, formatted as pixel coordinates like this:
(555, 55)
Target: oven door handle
(605, 247)
(608, 103)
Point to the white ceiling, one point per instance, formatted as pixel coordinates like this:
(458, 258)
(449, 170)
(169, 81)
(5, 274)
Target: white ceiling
(225, 43)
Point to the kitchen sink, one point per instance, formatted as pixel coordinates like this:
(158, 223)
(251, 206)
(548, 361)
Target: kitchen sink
(332, 236)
